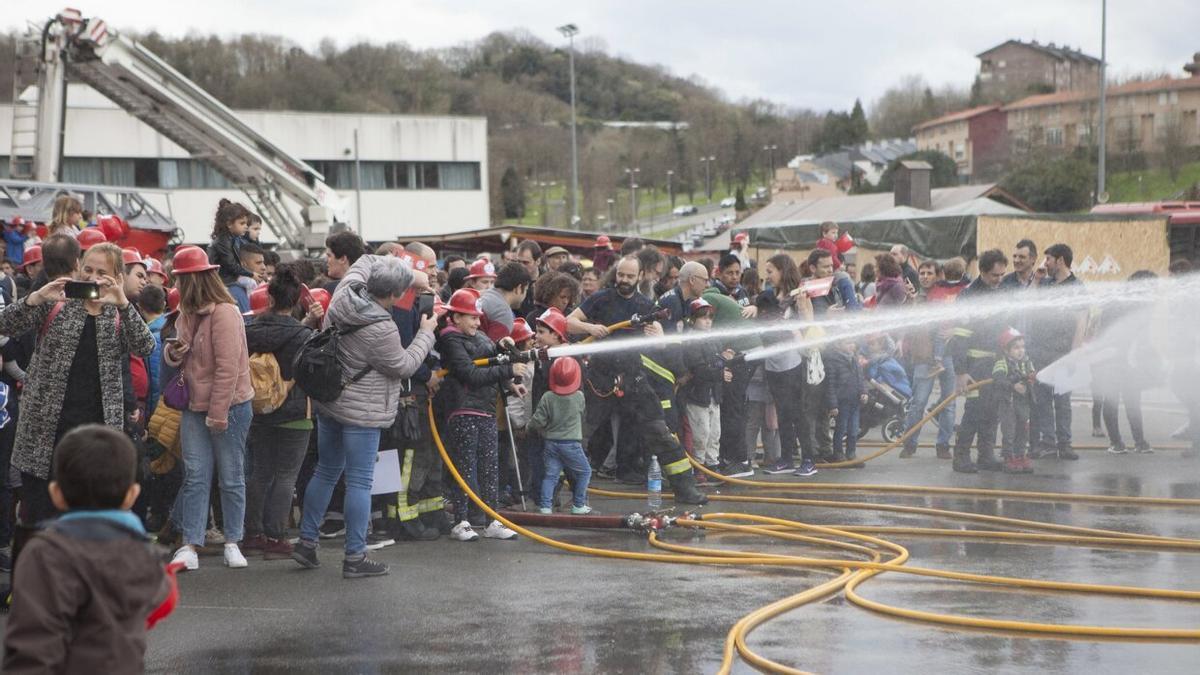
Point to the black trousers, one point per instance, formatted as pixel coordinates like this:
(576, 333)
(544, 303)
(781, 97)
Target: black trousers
(787, 389)
(733, 414)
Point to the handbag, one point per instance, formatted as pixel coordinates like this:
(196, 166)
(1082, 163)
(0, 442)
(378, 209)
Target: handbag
(175, 393)
(815, 373)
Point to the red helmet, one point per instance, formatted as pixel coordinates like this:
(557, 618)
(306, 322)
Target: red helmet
(191, 259)
(132, 256)
(603, 241)
(464, 301)
(321, 296)
(90, 237)
(33, 255)
(111, 227)
(173, 300)
(439, 307)
(260, 301)
(520, 331)
(564, 376)
(1007, 337)
(741, 238)
(554, 319)
(482, 268)
(154, 266)
(701, 305)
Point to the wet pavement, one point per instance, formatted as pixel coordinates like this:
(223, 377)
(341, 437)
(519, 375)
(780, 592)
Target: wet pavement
(523, 607)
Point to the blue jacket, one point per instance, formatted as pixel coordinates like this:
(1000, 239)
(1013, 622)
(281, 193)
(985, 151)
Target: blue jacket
(889, 371)
(14, 245)
(153, 363)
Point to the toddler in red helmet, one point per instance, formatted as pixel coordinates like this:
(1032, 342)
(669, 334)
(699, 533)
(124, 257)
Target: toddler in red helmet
(559, 420)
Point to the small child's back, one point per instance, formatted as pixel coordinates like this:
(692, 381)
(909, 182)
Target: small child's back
(84, 587)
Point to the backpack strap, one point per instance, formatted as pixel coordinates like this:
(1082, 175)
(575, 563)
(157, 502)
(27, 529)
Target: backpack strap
(50, 318)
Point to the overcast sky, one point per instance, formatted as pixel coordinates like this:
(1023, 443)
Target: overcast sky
(819, 54)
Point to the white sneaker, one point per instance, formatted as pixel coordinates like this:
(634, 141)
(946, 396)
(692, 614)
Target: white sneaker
(187, 556)
(496, 530)
(213, 537)
(234, 557)
(463, 532)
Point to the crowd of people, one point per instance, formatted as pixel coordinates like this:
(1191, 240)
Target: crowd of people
(211, 363)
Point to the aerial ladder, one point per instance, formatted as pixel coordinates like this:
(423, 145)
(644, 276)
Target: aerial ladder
(291, 196)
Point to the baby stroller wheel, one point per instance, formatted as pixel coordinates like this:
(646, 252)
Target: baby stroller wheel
(893, 429)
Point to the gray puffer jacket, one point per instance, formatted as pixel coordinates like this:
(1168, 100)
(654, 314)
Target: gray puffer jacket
(373, 400)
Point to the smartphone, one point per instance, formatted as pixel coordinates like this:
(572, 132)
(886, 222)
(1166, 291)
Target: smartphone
(82, 290)
(171, 340)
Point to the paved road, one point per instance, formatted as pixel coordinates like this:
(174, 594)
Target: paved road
(520, 607)
(707, 212)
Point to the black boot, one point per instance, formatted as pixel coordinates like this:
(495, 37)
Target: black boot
(415, 530)
(943, 452)
(437, 521)
(962, 461)
(988, 462)
(684, 486)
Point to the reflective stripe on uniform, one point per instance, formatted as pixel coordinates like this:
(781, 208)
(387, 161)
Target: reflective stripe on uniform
(657, 369)
(963, 332)
(666, 404)
(980, 354)
(677, 467)
(430, 505)
(406, 512)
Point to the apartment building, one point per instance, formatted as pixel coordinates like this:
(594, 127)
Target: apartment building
(975, 139)
(1015, 69)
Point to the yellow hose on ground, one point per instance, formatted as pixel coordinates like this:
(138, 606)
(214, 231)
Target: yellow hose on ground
(854, 572)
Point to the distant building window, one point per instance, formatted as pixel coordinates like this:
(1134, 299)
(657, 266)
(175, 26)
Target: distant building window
(1054, 136)
(341, 174)
(1162, 98)
(1001, 63)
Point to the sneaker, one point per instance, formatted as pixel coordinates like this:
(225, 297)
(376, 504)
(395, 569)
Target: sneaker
(306, 555)
(1042, 450)
(332, 528)
(1143, 449)
(1012, 465)
(581, 510)
(233, 557)
(463, 532)
(989, 463)
(1117, 450)
(187, 556)
(603, 472)
(255, 543)
(545, 510)
(807, 468)
(277, 549)
(1067, 453)
(363, 567)
(738, 470)
(377, 540)
(780, 467)
(497, 530)
(1098, 432)
(943, 452)
(908, 452)
(1026, 465)
(213, 537)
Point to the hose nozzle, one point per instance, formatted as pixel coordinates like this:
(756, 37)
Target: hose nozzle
(639, 320)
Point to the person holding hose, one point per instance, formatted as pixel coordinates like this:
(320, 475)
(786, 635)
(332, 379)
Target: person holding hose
(619, 384)
(349, 427)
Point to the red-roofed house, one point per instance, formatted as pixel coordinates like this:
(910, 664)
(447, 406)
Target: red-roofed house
(975, 139)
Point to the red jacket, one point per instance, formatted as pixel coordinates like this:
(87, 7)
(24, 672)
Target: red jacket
(831, 246)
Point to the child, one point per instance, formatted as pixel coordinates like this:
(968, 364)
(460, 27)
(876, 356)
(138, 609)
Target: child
(253, 229)
(90, 582)
(702, 392)
(229, 230)
(828, 242)
(518, 411)
(846, 393)
(1012, 384)
(559, 419)
(551, 327)
(467, 400)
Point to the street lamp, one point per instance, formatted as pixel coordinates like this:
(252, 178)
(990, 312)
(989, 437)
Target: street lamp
(569, 31)
(1101, 196)
(707, 161)
(670, 192)
(633, 194)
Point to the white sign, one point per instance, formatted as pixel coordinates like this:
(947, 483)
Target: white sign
(387, 473)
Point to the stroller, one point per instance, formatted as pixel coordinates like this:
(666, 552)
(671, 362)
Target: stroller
(888, 392)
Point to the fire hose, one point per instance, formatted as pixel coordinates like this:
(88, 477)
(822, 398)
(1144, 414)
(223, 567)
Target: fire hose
(852, 573)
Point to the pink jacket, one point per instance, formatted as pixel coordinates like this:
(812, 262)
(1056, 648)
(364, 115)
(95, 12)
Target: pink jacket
(217, 368)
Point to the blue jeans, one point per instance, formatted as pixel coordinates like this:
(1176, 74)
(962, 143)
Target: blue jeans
(846, 429)
(922, 390)
(341, 448)
(567, 455)
(202, 449)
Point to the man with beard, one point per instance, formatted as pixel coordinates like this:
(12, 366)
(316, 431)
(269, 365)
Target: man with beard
(619, 383)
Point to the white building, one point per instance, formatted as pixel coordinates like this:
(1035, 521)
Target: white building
(420, 174)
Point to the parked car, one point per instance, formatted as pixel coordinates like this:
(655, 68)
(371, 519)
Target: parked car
(685, 210)
(728, 202)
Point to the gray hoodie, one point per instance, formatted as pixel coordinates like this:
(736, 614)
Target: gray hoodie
(373, 400)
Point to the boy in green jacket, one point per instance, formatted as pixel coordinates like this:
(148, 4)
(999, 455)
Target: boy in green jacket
(559, 420)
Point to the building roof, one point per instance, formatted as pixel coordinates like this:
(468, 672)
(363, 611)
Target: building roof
(960, 200)
(1127, 89)
(1063, 53)
(959, 116)
(497, 239)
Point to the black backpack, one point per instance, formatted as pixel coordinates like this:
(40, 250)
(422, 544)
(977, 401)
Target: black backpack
(317, 368)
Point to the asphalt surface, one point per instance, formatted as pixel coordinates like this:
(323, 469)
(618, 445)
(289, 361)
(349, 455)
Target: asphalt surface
(522, 607)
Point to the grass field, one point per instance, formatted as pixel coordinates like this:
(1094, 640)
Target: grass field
(1151, 184)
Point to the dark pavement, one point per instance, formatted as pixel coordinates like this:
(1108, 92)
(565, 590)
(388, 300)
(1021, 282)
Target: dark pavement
(503, 607)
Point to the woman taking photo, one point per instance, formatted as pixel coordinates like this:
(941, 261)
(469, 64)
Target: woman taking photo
(348, 427)
(75, 373)
(786, 373)
(210, 352)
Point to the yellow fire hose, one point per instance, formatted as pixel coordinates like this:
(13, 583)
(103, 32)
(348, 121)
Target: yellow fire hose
(852, 573)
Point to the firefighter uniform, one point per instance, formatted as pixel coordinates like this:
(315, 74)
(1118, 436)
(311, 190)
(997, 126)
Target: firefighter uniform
(973, 349)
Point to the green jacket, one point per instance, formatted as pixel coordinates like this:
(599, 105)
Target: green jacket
(559, 418)
(729, 315)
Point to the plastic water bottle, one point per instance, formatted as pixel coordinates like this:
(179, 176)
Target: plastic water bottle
(654, 485)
